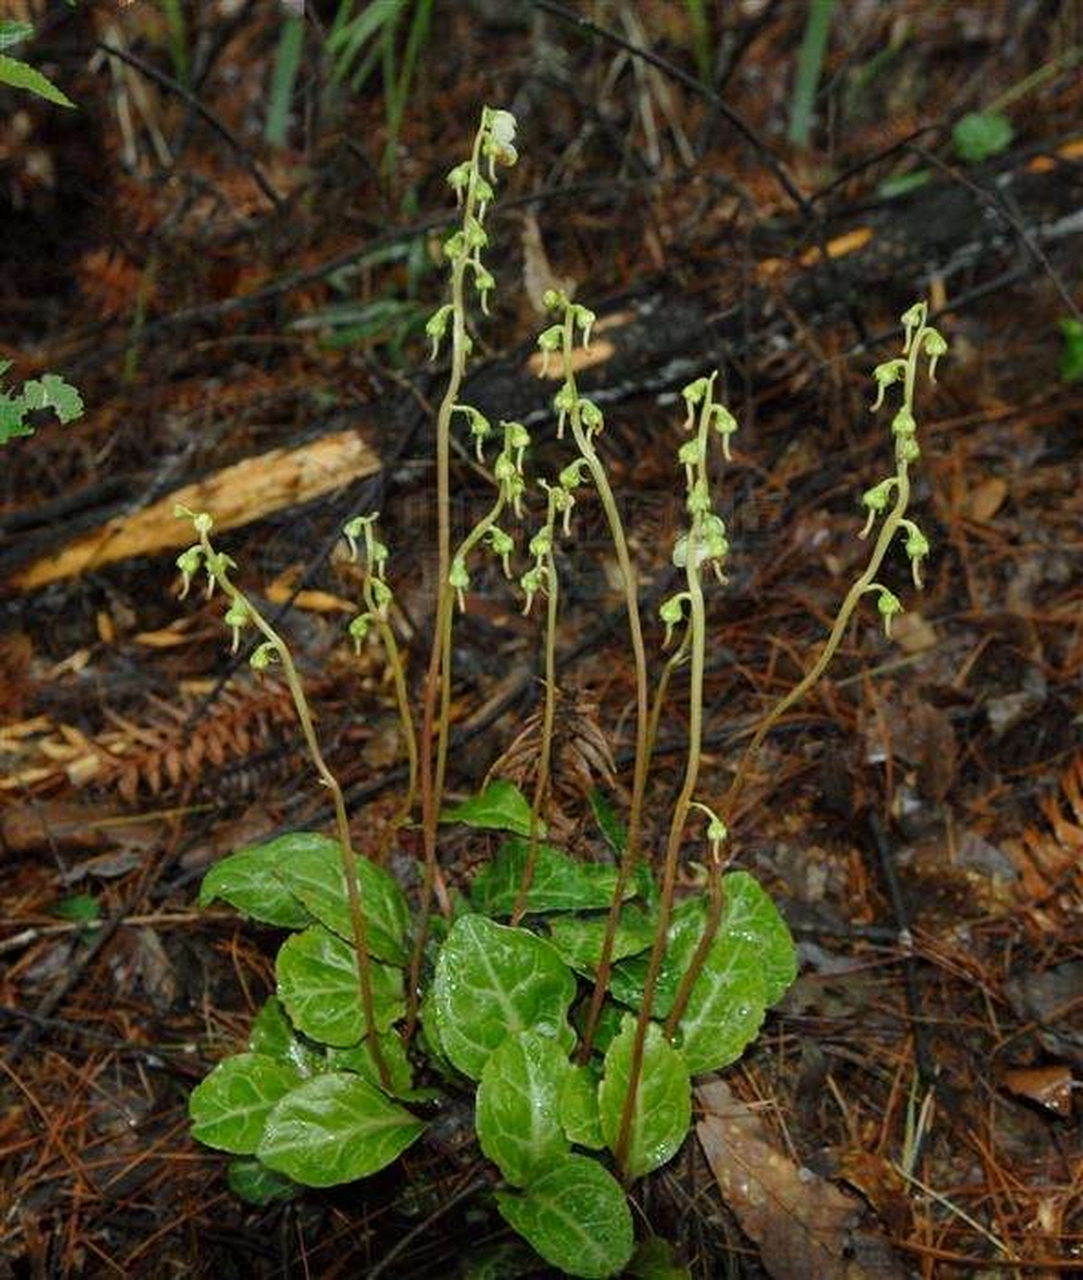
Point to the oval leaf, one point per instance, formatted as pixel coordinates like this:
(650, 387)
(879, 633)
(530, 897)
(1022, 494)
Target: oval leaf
(247, 881)
(492, 982)
(359, 1058)
(272, 1034)
(559, 883)
(750, 915)
(579, 1109)
(576, 1216)
(663, 1109)
(317, 983)
(335, 1128)
(230, 1108)
(500, 807)
(312, 873)
(517, 1116)
(579, 939)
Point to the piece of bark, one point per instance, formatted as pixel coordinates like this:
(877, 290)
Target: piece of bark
(237, 495)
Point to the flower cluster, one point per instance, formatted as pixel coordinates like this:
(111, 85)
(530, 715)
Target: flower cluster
(377, 594)
(511, 485)
(920, 339)
(705, 543)
(474, 192)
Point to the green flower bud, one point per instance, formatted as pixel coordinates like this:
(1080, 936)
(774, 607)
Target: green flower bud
(903, 423)
(359, 628)
(458, 179)
(591, 417)
(715, 543)
(554, 300)
(455, 246)
(503, 545)
(237, 616)
(460, 580)
(725, 424)
(917, 548)
(541, 544)
(934, 345)
(876, 500)
(532, 582)
(563, 402)
(885, 375)
(585, 319)
(484, 283)
(381, 595)
(264, 655)
(671, 612)
(907, 449)
(436, 327)
(698, 501)
(571, 477)
(888, 605)
(189, 563)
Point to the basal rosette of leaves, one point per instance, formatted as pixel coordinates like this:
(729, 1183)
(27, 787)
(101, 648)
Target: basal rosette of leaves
(303, 1104)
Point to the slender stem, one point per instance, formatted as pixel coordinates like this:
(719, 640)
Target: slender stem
(676, 659)
(402, 700)
(342, 825)
(629, 859)
(541, 782)
(437, 676)
(696, 640)
(890, 527)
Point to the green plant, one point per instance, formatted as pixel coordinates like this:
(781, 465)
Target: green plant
(49, 392)
(360, 42)
(21, 75)
(577, 999)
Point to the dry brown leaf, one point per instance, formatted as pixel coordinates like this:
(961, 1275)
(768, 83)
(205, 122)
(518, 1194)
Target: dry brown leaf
(804, 1225)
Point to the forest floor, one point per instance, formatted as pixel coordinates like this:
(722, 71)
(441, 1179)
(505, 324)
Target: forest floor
(225, 301)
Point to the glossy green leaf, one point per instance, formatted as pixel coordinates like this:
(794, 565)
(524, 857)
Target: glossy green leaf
(247, 881)
(230, 1108)
(335, 1128)
(272, 1034)
(663, 1108)
(750, 915)
(492, 982)
(607, 1027)
(500, 807)
(579, 939)
(576, 1216)
(20, 75)
(579, 1108)
(517, 1115)
(749, 967)
(981, 134)
(312, 873)
(359, 1058)
(317, 984)
(685, 930)
(559, 883)
(257, 1184)
(52, 392)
